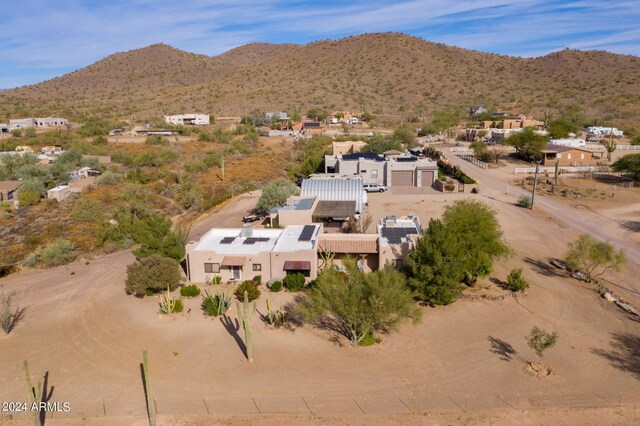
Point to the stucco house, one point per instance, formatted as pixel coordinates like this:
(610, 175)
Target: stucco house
(569, 156)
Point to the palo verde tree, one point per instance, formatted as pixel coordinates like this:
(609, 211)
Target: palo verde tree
(539, 341)
(456, 249)
(356, 305)
(527, 143)
(594, 257)
(629, 163)
(276, 194)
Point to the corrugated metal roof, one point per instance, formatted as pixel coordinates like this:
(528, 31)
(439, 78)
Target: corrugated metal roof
(345, 245)
(297, 265)
(335, 190)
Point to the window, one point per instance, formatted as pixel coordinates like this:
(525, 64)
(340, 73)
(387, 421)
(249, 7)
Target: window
(257, 267)
(399, 263)
(568, 156)
(559, 155)
(582, 155)
(374, 174)
(211, 268)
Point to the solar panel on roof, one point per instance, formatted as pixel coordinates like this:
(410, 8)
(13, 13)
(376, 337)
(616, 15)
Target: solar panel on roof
(250, 240)
(395, 235)
(307, 233)
(227, 240)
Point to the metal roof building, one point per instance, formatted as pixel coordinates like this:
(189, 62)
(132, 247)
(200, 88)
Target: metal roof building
(336, 190)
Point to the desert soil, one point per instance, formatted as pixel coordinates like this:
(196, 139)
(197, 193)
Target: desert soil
(465, 362)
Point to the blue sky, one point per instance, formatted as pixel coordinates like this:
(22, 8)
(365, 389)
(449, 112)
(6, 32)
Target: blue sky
(42, 39)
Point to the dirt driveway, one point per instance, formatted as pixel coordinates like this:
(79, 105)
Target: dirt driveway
(88, 335)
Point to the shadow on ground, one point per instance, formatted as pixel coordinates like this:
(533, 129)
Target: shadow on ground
(504, 350)
(624, 353)
(543, 267)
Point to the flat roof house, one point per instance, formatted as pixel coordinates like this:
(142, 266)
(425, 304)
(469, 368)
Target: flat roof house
(297, 211)
(392, 169)
(241, 254)
(187, 119)
(59, 193)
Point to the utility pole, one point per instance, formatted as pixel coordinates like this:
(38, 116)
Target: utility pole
(535, 183)
(222, 166)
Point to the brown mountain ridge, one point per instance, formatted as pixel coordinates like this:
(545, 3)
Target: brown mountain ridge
(392, 75)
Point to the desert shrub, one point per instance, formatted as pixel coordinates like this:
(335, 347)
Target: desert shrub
(368, 340)
(156, 140)
(109, 178)
(30, 192)
(215, 305)
(152, 274)
(294, 282)
(525, 202)
(276, 286)
(9, 316)
(86, 209)
(251, 289)
(515, 281)
(59, 252)
(257, 280)
(179, 306)
(189, 291)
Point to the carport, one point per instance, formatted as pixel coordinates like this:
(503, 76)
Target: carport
(334, 209)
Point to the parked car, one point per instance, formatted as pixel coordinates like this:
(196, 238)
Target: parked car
(374, 187)
(592, 139)
(253, 217)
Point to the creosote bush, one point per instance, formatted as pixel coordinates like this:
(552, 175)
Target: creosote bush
(59, 252)
(189, 291)
(250, 288)
(276, 286)
(515, 280)
(152, 274)
(294, 282)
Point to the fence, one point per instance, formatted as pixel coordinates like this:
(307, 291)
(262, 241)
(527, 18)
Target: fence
(381, 405)
(628, 147)
(563, 169)
(460, 149)
(473, 160)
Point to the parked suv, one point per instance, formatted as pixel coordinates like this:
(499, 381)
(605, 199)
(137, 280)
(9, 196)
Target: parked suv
(374, 187)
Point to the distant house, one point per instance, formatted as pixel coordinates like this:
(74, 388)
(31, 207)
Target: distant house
(59, 192)
(24, 148)
(569, 156)
(8, 190)
(187, 119)
(25, 123)
(52, 149)
(391, 169)
(512, 123)
(475, 110)
(83, 173)
(279, 116)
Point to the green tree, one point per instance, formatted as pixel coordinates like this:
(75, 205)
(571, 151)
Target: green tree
(629, 163)
(319, 114)
(406, 136)
(527, 143)
(561, 128)
(481, 151)
(356, 305)
(457, 249)
(594, 257)
(539, 341)
(276, 194)
(30, 192)
(152, 274)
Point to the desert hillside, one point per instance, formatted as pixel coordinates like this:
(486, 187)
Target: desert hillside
(388, 74)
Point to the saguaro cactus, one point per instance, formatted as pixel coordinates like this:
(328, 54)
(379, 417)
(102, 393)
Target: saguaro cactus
(34, 395)
(147, 389)
(245, 316)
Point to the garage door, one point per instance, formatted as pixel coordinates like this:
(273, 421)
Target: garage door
(427, 178)
(402, 178)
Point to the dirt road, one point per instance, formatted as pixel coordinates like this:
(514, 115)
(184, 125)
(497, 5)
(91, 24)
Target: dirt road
(493, 185)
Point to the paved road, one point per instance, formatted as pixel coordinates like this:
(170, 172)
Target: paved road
(585, 221)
